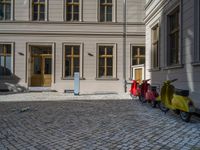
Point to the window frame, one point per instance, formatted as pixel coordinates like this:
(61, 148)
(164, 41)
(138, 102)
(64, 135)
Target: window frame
(80, 61)
(114, 18)
(114, 70)
(11, 11)
(12, 59)
(133, 45)
(179, 53)
(80, 12)
(46, 11)
(155, 42)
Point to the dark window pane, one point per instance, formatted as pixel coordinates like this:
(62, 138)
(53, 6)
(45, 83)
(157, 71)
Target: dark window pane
(69, 1)
(102, 13)
(76, 1)
(101, 50)
(109, 17)
(1, 49)
(109, 71)
(8, 66)
(135, 51)
(76, 8)
(76, 50)
(76, 17)
(102, 62)
(37, 65)
(42, 0)
(1, 12)
(102, 1)
(35, 8)
(76, 62)
(8, 49)
(42, 16)
(142, 61)
(109, 9)
(47, 66)
(109, 1)
(42, 8)
(134, 61)
(69, 17)
(109, 61)
(1, 65)
(109, 50)
(142, 51)
(8, 12)
(76, 69)
(68, 50)
(68, 67)
(101, 71)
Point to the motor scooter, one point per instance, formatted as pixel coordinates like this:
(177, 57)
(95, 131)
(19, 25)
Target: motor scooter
(151, 96)
(176, 100)
(144, 88)
(135, 90)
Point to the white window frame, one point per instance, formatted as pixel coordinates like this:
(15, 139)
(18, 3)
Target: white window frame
(12, 58)
(133, 68)
(80, 61)
(80, 11)
(167, 13)
(46, 11)
(114, 60)
(114, 14)
(12, 12)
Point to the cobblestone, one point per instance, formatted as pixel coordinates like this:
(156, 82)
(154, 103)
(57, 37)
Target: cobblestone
(89, 125)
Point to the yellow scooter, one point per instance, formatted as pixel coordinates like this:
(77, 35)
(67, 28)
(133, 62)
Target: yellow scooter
(176, 100)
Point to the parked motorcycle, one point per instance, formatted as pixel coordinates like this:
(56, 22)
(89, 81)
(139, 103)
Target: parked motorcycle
(135, 90)
(151, 96)
(176, 100)
(144, 88)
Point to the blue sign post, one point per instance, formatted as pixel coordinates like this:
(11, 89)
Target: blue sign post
(76, 83)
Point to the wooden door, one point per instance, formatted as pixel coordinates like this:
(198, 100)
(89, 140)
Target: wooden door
(138, 74)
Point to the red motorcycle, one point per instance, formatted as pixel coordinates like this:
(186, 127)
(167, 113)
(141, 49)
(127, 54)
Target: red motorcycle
(144, 88)
(135, 89)
(151, 96)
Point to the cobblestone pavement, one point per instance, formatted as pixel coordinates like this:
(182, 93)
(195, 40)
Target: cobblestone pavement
(88, 125)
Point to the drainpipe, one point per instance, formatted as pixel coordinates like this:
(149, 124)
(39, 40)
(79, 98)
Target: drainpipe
(124, 45)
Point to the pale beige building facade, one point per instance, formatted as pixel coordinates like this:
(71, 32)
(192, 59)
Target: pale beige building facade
(43, 42)
(172, 43)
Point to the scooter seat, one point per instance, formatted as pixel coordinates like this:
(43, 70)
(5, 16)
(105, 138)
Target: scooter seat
(182, 92)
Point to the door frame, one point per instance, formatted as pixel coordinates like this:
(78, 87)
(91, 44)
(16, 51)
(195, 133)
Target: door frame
(133, 68)
(28, 60)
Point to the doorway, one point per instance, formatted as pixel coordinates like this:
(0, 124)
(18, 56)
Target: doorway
(41, 66)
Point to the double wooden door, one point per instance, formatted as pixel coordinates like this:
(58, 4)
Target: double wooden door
(41, 70)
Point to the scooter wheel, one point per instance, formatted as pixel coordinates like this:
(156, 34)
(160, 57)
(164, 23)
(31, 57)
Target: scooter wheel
(185, 116)
(153, 103)
(163, 108)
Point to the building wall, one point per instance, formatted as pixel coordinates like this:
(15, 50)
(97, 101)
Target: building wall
(188, 72)
(89, 32)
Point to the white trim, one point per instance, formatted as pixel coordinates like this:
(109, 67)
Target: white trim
(29, 44)
(114, 58)
(80, 61)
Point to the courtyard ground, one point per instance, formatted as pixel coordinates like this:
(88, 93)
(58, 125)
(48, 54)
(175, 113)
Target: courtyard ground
(93, 124)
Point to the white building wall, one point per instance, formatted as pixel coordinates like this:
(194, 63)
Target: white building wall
(188, 75)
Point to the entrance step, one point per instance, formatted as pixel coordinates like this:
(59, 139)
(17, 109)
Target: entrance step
(40, 89)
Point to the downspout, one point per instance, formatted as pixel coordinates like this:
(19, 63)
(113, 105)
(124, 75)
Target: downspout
(124, 46)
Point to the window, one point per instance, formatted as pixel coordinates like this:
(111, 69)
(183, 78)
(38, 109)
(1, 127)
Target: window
(72, 10)
(5, 59)
(106, 61)
(71, 60)
(138, 55)
(106, 10)
(173, 38)
(39, 10)
(5, 9)
(155, 47)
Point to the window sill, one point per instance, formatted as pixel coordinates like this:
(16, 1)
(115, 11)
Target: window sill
(174, 67)
(154, 69)
(71, 78)
(196, 63)
(109, 79)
